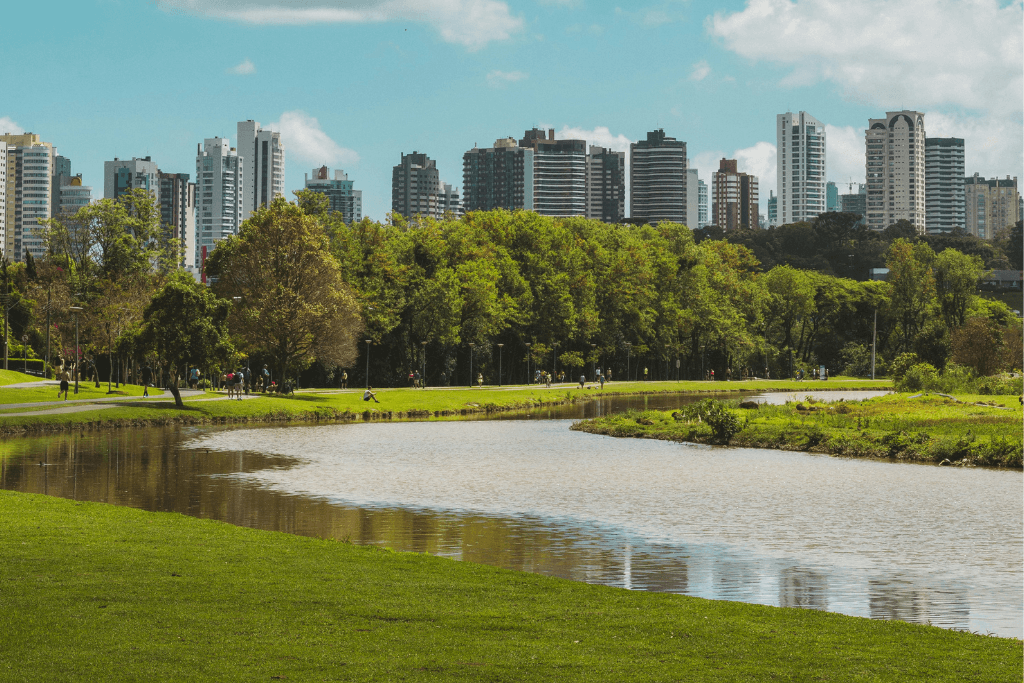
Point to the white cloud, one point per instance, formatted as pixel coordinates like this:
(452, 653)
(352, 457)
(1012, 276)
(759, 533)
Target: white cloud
(844, 155)
(496, 78)
(652, 17)
(472, 23)
(303, 139)
(9, 126)
(700, 71)
(600, 136)
(243, 69)
(958, 61)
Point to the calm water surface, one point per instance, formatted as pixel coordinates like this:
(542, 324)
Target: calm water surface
(876, 539)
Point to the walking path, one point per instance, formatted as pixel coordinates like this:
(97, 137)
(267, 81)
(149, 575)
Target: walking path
(82, 404)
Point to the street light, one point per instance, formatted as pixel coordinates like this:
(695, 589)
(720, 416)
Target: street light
(528, 344)
(471, 345)
(24, 351)
(76, 309)
(423, 377)
(593, 362)
(368, 363)
(499, 364)
(554, 360)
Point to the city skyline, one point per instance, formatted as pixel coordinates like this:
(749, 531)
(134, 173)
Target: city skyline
(433, 80)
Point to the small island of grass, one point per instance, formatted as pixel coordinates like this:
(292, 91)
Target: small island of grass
(928, 428)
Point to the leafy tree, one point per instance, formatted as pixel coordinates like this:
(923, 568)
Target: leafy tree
(293, 303)
(956, 281)
(911, 288)
(977, 344)
(185, 324)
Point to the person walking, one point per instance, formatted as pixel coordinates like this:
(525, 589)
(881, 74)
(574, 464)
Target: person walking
(479, 379)
(583, 381)
(266, 378)
(601, 379)
(147, 379)
(239, 383)
(344, 379)
(64, 384)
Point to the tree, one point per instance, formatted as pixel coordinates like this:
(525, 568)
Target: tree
(956, 281)
(292, 301)
(184, 324)
(977, 345)
(911, 287)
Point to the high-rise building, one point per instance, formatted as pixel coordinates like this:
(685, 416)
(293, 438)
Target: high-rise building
(895, 170)
(831, 196)
(498, 177)
(262, 158)
(855, 202)
(72, 195)
(773, 210)
(3, 199)
(606, 185)
(123, 175)
(29, 193)
(657, 179)
(944, 185)
(990, 205)
(219, 193)
(417, 189)
(343, 199)
(178, 213)
(734, 203)
(692, 198)
(702, 208)
(559, 174)
(800, 167)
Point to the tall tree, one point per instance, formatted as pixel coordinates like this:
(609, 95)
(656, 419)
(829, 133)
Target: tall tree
(185, 324)
(911, 288)
(293, 304)
(956, 281)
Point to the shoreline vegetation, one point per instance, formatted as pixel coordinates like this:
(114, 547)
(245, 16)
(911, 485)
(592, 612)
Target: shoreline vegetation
(965, 431)
(99, 592)
(332, 405)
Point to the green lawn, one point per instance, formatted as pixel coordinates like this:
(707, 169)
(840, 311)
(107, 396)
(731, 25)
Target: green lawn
(92, 592)
(85, 390)
(928, 428)
(316, 405)
(15, 377)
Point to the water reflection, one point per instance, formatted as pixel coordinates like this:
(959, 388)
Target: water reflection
(756, 526)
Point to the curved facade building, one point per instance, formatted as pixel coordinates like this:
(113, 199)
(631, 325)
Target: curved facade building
(895, 169)
(657, 179)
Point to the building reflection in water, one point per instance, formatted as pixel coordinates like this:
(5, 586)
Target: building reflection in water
(147, 469)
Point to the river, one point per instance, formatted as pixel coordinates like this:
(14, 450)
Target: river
(875, 539)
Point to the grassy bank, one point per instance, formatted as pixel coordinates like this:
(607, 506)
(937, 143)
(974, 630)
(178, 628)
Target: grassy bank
(95, 592)
(328, 405)
(923, 428)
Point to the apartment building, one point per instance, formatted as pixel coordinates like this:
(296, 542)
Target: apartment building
(417, 189)
(606, 185)
(658, 179)
(895, 170)
(28, 194)
(261, 154)
(219, 195)
(734, 203)
(339, 191)
(800, 167)
(944, 185)
(990, 205)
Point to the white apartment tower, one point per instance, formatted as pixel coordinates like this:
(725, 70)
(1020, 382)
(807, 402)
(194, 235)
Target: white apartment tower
(800, 167)
(693, 199)
(29, 188)
(657, 179)
(895, 166)
(262, 157)
(218, 195)
(3, 197)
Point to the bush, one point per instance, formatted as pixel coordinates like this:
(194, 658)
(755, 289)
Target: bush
(856, 360)
(722, 422)
(901, 363)
(919, 377)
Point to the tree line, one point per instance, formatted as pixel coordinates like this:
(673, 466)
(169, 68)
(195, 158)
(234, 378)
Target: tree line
(509, 293)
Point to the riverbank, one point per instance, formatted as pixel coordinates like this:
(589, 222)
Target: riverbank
(98, 592)
(333, 405)
(932, 428)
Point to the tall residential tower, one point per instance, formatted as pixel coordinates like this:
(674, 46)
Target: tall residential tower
(895, 167)
(734, 202)
(219, 192)
(657, 179)
(944, 185)
(343, 199)
(262, 157)
(801, 167)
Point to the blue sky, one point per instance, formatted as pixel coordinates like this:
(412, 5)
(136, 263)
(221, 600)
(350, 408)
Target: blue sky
(354, 83)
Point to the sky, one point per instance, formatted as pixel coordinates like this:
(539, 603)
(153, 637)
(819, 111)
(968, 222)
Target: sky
(353, 84)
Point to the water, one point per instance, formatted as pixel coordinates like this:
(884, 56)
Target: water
(875, 539)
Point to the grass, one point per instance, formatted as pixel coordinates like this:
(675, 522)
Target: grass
(15, 377)
(928, 428)
(319, 405)
(86, 390)
(91, 592)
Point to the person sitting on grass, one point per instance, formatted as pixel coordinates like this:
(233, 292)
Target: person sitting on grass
(368, 394)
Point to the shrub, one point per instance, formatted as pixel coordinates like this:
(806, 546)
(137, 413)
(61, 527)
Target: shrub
(918, 377)
(901, 363)
(724, 425)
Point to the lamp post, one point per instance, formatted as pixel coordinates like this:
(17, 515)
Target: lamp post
(423, 377)
(24, 352)
(593, 362)
(76, 309)
(471, 345)
(368, 363)
(554, 360)
(499, 364)
(528, 380)
(874, 340)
